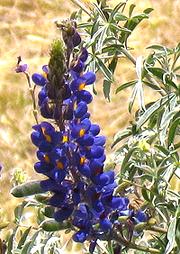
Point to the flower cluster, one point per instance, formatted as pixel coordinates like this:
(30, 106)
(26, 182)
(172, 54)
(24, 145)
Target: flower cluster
(71, 152)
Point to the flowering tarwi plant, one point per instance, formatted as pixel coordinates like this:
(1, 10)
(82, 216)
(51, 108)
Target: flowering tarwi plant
(77, 193)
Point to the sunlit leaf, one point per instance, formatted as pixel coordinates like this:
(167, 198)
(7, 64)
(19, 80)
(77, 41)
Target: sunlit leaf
(152, 109)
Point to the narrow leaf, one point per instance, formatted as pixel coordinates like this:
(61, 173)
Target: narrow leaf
(172, 130)
(107, 73)
(152, 109)
(126, 85)
(23, 238)
(120, 136)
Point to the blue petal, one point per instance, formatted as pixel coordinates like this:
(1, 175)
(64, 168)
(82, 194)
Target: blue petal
(63, 214)
(90, 77)
(86, 140)
(57, 200)
(100, 140)
(95, 129)
(80, 236)
(105, 224)
(84, 96)
(38, 79)
(85, 170)
(42, 167)
(81, 109)
(84, 55)
(76, 39)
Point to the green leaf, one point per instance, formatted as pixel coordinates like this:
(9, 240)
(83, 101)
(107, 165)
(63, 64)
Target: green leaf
(126, 85)
(151, 85)
(120, 17)
(95, 36)
(115, 28)
(115, 11)
(171, 236)
(27, 189)
(101, 39)
(23, 238)
(146, 195)
(10, 244)
(152, 109)
(166, 119)
(148, 10)
(85, 25)
(107, 73)
(162, 149)
(172, 130)
(51, 225)
(49, 211)
(132, 98)
(100, 12)
(18, 211)
(178, 232)
(107, 88)
(131, 9)
(120, 136)
(157, 47)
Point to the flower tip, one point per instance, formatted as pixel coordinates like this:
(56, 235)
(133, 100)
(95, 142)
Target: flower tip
(21, 68)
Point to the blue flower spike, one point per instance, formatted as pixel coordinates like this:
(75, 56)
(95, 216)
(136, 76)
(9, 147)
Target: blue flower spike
(71, 150)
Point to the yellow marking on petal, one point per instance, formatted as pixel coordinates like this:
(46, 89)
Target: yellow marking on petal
(44, 74)
(59, 165)
(81, 132)
(47, 137)
(75, 105)
(81, 86)
(46, 158)
(65, 139)
(82, 160)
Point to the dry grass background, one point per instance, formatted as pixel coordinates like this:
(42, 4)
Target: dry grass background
(27, 29)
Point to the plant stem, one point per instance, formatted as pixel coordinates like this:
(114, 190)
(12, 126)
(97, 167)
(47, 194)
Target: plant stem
(32, 90)
(157, 229)
(134, 246)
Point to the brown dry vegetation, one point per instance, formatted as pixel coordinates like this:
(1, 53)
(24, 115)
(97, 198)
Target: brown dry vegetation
(27, 29)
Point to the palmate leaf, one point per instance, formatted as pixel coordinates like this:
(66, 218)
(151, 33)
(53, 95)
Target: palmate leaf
(152, 109)
(131, 24)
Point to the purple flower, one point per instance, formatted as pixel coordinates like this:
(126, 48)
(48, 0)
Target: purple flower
(21, 68)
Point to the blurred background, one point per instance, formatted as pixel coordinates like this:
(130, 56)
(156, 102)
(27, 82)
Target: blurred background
(27, 29)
